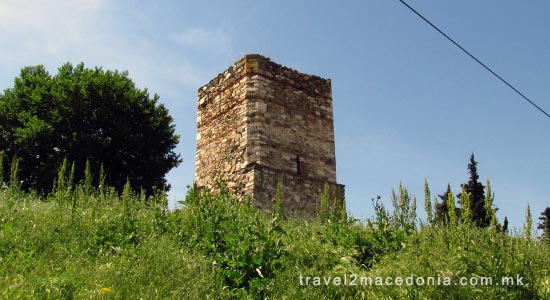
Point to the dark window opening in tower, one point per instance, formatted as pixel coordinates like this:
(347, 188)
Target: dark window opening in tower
(298, 167)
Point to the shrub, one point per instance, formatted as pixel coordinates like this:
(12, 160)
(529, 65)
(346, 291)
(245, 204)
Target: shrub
(243, 243)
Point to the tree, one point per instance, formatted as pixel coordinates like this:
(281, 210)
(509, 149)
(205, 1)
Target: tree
(477, 199)
(442, 208)
(545, 224)
(505, 225)
(84, 115)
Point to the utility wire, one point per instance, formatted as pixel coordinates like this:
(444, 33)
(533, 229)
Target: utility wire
(474, 58)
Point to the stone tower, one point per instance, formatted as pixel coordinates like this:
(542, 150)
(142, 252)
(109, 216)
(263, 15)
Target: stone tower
(259, 123)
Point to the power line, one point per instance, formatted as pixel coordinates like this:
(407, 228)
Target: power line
(477, 60)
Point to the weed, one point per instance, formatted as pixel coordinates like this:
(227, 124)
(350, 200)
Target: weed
(89, 242)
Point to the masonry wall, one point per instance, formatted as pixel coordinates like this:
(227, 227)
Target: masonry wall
(290, 120)
(222, 131)
(260, 123)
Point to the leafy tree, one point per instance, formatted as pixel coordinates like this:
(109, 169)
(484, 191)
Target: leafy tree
(84, 115)
(477, 199)
(545, 224)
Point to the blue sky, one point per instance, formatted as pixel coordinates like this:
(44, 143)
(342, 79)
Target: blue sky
(408, 105)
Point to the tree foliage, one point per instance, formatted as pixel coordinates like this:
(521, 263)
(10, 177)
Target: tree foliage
(505, 225)
(84, 115)
(442, 209)
(545, 224)
(477, 198)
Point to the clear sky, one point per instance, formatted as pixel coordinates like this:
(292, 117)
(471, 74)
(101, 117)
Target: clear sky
(408, 105)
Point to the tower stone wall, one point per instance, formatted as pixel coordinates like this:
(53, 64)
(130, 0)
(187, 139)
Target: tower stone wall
(259, 123)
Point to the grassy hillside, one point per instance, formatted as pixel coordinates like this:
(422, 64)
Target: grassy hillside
(86, 243)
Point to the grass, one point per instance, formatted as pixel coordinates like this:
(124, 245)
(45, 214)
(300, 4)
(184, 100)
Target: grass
(85, 243)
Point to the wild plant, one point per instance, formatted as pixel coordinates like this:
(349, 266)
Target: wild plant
(277, 210)
(330, 209)
(1, 170)
(244, 246)
(404, 210)
(14, 183)
(428, 203)
(453, 219)
(528, 226)
(489, 207)
(466, 207)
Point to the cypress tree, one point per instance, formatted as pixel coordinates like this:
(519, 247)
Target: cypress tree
(505, 225)
(545, 224)
(441, 208)
(477, 191)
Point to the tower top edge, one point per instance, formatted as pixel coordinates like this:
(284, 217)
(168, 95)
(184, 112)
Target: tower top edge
(257, 64)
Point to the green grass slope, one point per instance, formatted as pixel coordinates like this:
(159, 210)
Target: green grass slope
(85, 243)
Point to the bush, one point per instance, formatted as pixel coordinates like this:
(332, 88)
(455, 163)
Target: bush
(244, 243)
